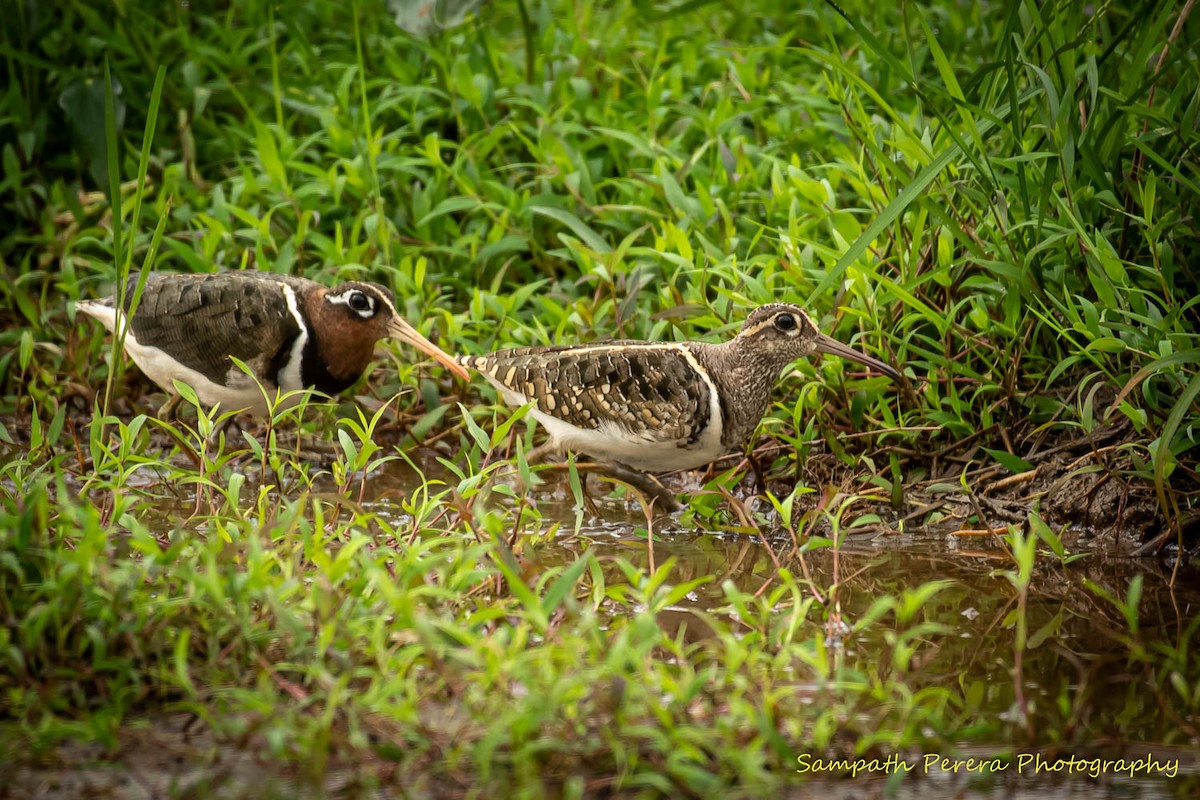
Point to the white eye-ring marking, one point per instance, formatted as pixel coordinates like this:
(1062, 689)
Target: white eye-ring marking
(356, 300)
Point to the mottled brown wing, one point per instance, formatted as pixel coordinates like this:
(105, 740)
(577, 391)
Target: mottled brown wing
(649, 390)
(202, 320)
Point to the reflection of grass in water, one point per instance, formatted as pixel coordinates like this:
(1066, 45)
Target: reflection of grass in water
(309, 619)
(349, 615)
(221, 624)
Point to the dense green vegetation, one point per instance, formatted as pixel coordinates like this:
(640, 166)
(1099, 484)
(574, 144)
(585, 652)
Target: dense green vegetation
(1001, 199)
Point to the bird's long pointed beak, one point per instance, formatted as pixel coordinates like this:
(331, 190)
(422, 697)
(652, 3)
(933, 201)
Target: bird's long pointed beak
(399, 329)
(827, 344)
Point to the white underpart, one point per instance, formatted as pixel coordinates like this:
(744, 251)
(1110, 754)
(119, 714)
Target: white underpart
(158, 366)
(645, 451)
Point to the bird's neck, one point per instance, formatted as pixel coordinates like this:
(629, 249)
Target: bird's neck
(335, 354)
(744, 378)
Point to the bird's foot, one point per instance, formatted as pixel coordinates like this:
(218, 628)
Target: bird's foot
(656, 496)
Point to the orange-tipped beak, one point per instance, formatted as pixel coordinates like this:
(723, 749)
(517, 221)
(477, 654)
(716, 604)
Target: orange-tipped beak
(827, 344)
(399, 329)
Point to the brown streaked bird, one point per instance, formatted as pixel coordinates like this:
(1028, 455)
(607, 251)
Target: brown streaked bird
(293, 333)
(659, 407)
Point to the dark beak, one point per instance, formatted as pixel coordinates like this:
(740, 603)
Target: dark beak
(827, 344)
(399, 329)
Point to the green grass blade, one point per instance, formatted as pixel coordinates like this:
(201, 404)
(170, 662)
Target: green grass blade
(1162, 453)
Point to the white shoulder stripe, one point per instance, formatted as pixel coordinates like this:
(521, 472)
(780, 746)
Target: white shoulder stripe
(715, 428)
(290, 378)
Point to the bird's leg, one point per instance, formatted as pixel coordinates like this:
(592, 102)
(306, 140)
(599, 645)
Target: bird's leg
(760, 477)
(540, 453)
(308, 447)
(225, 426)
(166, 411)
(537, 455)
(589, 504)
(660, 497)
(314, 444)
(543, 453)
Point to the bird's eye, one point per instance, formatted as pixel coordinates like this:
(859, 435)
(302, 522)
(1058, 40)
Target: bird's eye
(785, 322)
(359, 302)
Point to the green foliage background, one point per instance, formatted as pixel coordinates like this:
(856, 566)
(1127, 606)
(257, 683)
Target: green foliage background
(999, 197)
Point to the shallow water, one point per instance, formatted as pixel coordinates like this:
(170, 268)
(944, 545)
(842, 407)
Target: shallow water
(166, 756)
(1082, 650)
(1081, 639)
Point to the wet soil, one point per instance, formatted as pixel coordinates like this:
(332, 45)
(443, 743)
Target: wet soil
(165, 757)
(1089, 485)
(1080, 484)
(174, 755)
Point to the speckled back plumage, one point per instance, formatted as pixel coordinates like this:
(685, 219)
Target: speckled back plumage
(647, 390)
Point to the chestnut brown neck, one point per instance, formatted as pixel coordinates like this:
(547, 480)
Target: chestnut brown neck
(339, 348)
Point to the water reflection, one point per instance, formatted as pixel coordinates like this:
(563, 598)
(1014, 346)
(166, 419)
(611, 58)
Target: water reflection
(1076, 667)
(1076, 662)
